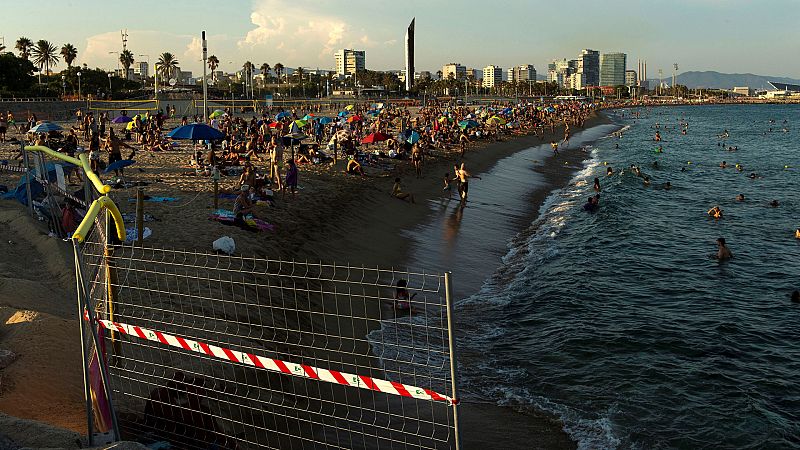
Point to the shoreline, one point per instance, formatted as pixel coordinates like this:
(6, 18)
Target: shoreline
(342, 225)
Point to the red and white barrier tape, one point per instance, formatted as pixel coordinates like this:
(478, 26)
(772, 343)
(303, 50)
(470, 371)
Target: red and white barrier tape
(276, 365)
(10, 168)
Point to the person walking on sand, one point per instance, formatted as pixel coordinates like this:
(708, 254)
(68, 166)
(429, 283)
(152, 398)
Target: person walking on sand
(554, 144)
(566, 134)
(462, 176)
(463, 140)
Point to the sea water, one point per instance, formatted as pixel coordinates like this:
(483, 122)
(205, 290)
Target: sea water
(620, 321)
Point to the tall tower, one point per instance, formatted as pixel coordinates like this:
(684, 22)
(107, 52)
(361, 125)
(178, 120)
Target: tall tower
(410, 55)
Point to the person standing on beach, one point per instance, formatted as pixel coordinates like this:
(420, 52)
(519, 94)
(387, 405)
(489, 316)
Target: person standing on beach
(277, 160)
(462, 176)
(463, 140)
(416, 159)
(554, 144)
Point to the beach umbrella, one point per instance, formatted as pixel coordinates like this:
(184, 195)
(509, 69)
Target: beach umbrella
(325, 120)
(116, 165)
(355, 118)
(413, 137)
(464, 124)
(308, 117)
(217, 113)
(274, 124)
(130, 125)
(373, 113)
(375, 137)
(45, 127)
(349, 107)
(343, 114)
(196, 132)
(122, 119)
(506, 111)
(301, 123)
(282, 114)
(496, 119)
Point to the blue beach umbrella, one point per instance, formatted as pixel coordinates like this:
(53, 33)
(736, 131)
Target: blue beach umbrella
(413, 137)
(325, 120)
(464, 124)
(116, 165)
(122, 119)
(45, 127)
(282, 114)
(343, 114)
(196, 132)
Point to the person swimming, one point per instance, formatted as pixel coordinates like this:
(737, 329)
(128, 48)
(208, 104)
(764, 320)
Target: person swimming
(797, 233)
(657, 137)
(715, 212)
(740, 198)
(667, 186)
(597, 185)
(609, 172)
(723, 164)
(774, 203)
(795, 297)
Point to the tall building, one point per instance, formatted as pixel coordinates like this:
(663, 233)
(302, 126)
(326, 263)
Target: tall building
(142, 68)
(510, 75)
(524, 73)
(349, 61)
(492, 76)
(642, 78)
(612, 69)
(630, 78)
(589, 68)
(560, 70)
(410, 54)
(457, 71)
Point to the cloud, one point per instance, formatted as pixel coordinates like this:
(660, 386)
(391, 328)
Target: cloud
(300, 35)
(140, 42)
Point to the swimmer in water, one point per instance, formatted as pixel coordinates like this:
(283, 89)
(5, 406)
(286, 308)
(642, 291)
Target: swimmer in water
(723, 252)
(724, 165)
(774, 203)
(609, 172)
(597, 184)
(715, 212)
(795, 297)
(657, 137)
(740, 198)
(797, 233)
(667, 186)
(752, 176)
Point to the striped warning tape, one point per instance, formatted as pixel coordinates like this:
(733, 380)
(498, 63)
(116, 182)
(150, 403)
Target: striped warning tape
(10, 168)
(276, 365)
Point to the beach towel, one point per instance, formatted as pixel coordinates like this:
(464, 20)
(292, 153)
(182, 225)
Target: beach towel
(226, 217)
(130, 234)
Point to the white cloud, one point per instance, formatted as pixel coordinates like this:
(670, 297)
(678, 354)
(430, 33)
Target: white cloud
(299, 35)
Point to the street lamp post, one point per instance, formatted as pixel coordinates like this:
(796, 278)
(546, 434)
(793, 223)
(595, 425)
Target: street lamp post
(79, 85)
(109, 84)
(64, 85)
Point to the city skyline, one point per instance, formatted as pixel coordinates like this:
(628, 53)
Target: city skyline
(308, 36)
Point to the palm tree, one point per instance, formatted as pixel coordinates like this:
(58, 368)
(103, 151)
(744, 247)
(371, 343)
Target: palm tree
(24, 46)
(213, 63)
(300, 72)
(45, 56)
(278, 67)
(265, 70)
(69, 52)
(248, 76)
(167, 64)
(126, 59)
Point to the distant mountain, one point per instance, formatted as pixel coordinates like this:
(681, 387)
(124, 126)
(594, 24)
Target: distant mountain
(716, 80)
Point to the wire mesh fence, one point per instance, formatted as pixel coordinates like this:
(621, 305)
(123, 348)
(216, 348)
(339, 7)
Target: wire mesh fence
(210, 350)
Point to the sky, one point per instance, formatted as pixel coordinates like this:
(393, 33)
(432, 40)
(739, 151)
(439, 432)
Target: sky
(733, 36)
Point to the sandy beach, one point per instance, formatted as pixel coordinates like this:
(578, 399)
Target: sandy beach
(334, 217)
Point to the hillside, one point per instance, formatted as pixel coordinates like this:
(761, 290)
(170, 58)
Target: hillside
(710, 79)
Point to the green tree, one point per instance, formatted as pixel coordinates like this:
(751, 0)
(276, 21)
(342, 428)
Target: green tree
(69, 52)
(213, 63)
(265, 71)
(278, 67)
(167, 65)
(44, 56)
(126, 59)
(16, 73)
(24, 46)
